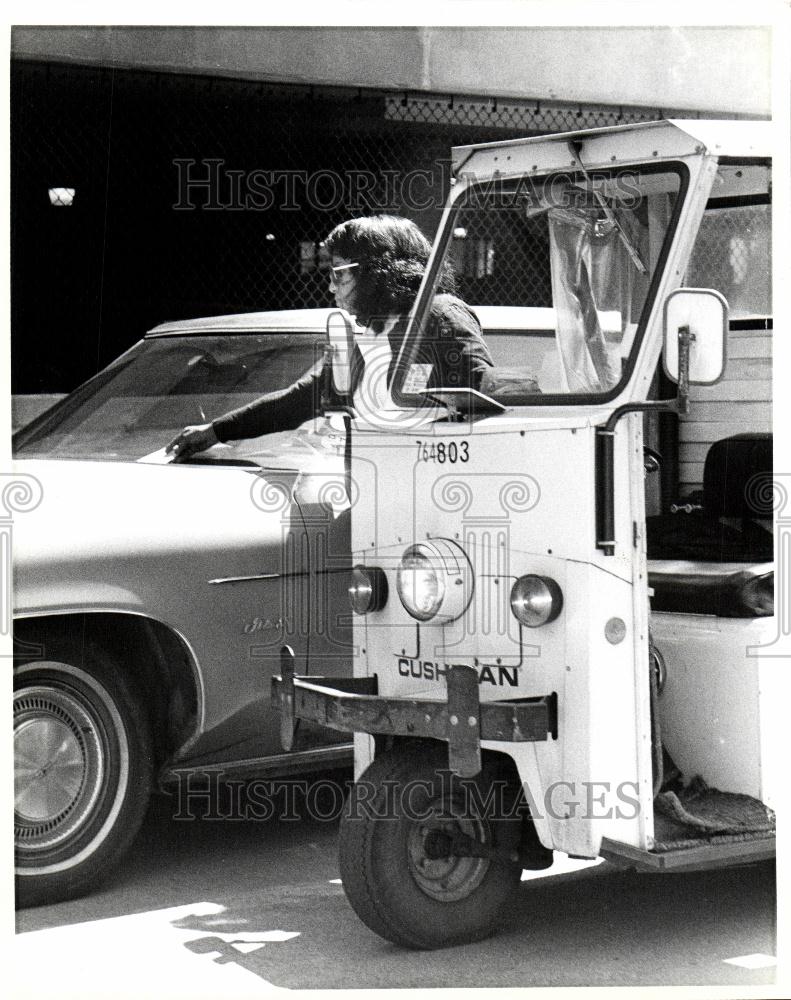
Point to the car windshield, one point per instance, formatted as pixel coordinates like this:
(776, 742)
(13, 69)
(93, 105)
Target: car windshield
(581, 249)
(136, 405)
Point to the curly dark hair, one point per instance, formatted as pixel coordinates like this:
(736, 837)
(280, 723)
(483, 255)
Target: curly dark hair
(392, 254)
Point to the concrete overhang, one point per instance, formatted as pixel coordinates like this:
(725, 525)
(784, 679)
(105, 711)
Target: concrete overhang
(715, 69)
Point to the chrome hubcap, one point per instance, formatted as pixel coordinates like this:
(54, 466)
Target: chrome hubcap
(59, 765)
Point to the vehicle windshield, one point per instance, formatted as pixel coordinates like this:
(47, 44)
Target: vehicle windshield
(136, 405)
(583, 249)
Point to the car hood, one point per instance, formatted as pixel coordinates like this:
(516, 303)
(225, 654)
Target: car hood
(76, 510)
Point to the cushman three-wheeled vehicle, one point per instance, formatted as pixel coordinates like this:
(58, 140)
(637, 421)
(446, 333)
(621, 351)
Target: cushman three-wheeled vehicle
(562, 583)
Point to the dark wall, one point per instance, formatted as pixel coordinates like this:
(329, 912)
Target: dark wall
(138, 247)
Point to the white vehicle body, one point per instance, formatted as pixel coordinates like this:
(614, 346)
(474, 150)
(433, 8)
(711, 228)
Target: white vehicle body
(493, 491)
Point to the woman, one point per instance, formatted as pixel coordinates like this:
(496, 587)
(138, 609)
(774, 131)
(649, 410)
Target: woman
(377, 264)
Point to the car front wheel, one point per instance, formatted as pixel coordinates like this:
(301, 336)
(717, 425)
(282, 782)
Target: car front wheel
(82, 776)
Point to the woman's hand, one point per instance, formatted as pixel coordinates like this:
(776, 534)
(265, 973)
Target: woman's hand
(192, 440)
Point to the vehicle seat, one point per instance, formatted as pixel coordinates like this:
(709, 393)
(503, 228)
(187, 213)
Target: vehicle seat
(719, 560)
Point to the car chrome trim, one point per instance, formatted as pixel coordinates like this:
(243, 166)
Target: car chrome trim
(245, 579)
(275, 576)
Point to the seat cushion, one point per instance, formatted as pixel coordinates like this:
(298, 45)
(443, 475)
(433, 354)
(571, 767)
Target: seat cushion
(728, 590)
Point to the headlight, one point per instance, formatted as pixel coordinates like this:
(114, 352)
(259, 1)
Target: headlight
(435, 579)
(368, 589)
(536, 600)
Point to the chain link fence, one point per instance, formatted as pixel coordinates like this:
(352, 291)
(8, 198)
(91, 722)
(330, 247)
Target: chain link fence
(144, 197)
(733, 254)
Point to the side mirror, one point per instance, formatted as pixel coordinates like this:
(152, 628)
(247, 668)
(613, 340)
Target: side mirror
(340, 336)
(701, 316)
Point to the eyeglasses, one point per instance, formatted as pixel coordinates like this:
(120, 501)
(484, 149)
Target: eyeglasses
(336, 271)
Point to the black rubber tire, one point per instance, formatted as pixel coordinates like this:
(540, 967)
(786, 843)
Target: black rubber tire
(377, 858)
(83, 775)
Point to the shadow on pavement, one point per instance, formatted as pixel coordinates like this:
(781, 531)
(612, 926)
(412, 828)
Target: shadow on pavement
(600, 926)
(264, 896)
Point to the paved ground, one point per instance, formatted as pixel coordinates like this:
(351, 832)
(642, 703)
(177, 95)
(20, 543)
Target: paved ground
(242, 908)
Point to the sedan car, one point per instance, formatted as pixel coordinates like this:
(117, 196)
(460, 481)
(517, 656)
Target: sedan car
(152, 598)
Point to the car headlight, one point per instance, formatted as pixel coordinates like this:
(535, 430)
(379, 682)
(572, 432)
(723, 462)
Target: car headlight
(536, 600)
(367, 590)
(435, 580)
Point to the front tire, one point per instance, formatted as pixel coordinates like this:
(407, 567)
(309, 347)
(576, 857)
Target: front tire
(82, 776)
(397, 868)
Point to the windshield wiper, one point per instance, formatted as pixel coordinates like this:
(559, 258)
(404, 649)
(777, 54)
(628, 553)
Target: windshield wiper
(637, 260)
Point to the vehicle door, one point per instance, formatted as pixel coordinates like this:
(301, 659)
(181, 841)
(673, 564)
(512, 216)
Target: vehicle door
(599, 231)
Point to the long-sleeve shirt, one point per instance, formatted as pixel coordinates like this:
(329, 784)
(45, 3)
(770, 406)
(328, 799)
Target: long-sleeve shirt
(452, 346)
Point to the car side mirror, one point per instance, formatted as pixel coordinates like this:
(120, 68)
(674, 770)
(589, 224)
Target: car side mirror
(697, 319)
(340, 337)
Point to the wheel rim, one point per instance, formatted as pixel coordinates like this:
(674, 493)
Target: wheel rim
(60, 762)
(450, 878)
